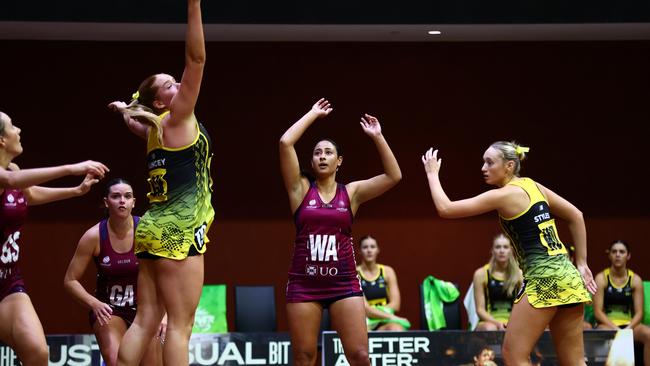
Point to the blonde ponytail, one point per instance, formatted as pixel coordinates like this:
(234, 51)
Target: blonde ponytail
(142, 109)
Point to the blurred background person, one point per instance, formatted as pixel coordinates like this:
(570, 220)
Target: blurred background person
(380, 289)
(495, 286)
(618, 303)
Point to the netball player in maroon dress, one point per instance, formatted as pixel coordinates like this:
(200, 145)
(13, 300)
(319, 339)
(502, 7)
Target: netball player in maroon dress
(323, 270)
(109, 244)
(20, 327)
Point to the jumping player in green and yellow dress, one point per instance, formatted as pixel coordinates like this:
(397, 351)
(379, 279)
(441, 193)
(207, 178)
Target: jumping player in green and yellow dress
(172, 234)
(554, 291)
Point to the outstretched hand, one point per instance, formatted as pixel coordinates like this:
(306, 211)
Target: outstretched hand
(91, 167)
(370, 125)
(117, 106)
(588, 278)
(431, 162)
(89, 181)
(322, 108)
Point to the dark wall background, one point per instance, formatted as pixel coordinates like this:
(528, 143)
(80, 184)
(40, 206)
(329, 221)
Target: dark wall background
(581, 107)
(333, 11)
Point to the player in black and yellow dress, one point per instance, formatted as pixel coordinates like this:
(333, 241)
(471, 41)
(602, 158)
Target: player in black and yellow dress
(380, 289)
(495, 286)
(618, 303)
(554, 290)
(172, 234)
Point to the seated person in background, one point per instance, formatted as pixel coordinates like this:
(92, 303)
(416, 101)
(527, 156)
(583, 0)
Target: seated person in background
(379, 285)
(495, 286)
(618, 303)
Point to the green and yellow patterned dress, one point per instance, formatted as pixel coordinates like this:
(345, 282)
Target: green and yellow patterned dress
(550, 279)
(180, 190)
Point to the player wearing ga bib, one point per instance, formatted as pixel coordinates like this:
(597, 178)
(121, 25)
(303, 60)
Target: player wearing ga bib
(375, 289)
(117, 276)
(618, 301)
(323, 266)
(13, 212)
(497, 301)
(550, 279)
(180, 188)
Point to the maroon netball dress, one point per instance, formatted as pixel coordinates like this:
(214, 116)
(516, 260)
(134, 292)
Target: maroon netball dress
(117, 276)
(13, 212)
(323, 268)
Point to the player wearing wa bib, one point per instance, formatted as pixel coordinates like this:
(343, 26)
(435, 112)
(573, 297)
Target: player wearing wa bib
(117, 276)
(550, 279)
(180, 189)
(323, 267)
(13, 212)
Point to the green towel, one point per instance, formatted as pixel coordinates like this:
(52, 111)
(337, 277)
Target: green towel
(436, 292)
(374, 323)
(646, 302)
(589, 313)
(210, 315)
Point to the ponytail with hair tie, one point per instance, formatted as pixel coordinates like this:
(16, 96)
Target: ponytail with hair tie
(521, 151)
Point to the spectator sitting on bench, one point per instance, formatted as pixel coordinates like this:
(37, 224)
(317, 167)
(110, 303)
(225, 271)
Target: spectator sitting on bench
(495, 286)
(618, 303)
(379, 285)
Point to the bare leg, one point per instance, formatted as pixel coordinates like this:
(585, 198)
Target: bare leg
(22, 331)
(391, 327)
(525, 326)
(153, 356)
(304, 324)
(179, 285)
(147, 319)
(642, 334)
(109, 337)
(486, 326)
(349, 321)
(566, 330)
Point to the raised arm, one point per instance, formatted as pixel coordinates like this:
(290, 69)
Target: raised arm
(576, 223)
(87, 248)
(364, 190)
(31, 177)
(485, 202)
(182, 105)
(294, 183)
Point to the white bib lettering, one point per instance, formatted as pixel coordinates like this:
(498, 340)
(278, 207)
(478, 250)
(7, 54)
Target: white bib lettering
(323, 247)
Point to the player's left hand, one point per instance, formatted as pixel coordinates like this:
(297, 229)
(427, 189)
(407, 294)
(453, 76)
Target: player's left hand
(370, 125)
(431, 162)
(588, 278)
(89, 181)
